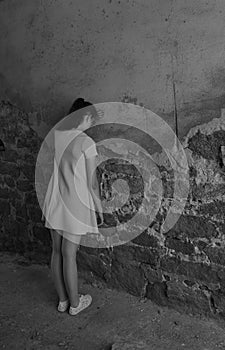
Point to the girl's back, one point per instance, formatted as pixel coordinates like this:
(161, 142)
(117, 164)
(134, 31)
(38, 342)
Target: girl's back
(69, 202)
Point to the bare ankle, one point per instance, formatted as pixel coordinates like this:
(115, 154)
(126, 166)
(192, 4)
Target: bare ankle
(75, 302)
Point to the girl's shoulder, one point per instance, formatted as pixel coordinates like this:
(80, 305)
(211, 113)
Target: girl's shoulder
(88, 139)
(89, 147)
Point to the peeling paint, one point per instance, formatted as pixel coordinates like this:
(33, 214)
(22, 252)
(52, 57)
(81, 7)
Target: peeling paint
(39, 126)
(216, 124)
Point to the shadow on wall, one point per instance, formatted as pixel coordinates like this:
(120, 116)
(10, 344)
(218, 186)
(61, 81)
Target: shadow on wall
(2, 146)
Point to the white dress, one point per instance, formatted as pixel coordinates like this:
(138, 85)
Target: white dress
(68, 204)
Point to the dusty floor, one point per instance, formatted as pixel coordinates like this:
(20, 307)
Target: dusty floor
(29, 319)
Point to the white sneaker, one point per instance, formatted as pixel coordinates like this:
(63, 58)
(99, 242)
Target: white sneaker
(84, 302)
(63, 305)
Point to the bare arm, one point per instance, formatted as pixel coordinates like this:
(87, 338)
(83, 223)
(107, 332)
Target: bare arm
(93, 184)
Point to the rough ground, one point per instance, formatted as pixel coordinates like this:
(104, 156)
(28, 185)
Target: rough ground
(29, 319)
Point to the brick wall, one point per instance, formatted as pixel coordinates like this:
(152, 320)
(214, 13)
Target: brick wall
(183, 268)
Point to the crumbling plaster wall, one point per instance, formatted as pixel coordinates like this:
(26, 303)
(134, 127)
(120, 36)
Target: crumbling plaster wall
(183, 268)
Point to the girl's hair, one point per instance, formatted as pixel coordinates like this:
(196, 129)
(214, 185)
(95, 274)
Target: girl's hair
(78, 105)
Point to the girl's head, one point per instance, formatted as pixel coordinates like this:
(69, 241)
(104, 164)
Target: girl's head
(86, 114)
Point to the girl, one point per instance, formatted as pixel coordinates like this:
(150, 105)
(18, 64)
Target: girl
(70, 203)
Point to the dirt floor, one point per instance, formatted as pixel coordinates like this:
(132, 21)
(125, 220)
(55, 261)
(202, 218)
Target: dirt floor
(29, 319)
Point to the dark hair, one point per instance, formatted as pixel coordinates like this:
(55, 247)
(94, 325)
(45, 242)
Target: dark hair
(83, 107)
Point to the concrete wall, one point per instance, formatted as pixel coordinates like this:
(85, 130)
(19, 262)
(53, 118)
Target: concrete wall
(53, 51)
(107, 50)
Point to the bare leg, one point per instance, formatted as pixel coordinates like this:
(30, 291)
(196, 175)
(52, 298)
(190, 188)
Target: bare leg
(69, 250)
(57, 265)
